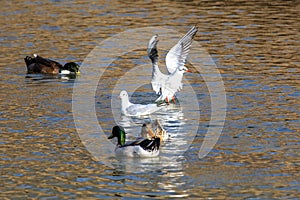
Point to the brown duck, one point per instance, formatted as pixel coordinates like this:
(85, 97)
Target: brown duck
(38, 64)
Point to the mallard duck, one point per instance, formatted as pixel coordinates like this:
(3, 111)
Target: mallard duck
(166, 85)
(38, 64)
(159, 131)
(130, 109)
(138, 148)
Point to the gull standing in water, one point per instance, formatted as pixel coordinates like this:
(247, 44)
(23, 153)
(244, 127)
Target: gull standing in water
(167, 85)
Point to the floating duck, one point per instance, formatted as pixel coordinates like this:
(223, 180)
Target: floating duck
(130, 109)
(166, 85)
(38, 64)
(138, 148)
(159, 131)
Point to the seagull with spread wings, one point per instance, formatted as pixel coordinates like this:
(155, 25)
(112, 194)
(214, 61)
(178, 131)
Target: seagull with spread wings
(166, 85)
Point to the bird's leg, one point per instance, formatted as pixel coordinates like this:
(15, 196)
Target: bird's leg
(167, 100)
(174, 100)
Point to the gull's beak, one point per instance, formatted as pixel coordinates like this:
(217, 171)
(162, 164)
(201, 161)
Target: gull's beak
(191, 68)
(78, 72)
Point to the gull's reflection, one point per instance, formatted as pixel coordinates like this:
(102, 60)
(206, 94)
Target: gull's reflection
(170, 117)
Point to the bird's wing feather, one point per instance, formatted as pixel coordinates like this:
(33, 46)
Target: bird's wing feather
(152, 49)
(150, 145)
(177, 55)
(146, 144)
(140, 109)
(47, 62)
(157, 76)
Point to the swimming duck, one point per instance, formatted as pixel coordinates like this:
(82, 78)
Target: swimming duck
(167, 85)
(159, 131)
(38, 64)
(130, 109)
(138, 148)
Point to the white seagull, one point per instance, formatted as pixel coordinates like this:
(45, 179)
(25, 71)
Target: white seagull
(167, 85)
(130, 109)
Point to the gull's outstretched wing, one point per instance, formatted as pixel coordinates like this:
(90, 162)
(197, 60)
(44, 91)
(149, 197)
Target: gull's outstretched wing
(177, 55)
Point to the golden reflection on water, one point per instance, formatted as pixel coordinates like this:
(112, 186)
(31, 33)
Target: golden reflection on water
(256, 48)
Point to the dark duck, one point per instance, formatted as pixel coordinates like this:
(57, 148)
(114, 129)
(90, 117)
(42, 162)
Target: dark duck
(38, 64)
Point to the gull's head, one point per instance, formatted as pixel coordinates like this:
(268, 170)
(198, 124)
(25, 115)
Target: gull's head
(183, 69)
(153, 41)
(152, 44)
(123, 94)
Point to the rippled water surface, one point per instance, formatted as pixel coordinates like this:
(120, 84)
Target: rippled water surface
(255, 46)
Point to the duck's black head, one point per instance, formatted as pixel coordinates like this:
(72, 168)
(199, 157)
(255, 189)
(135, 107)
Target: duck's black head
(72, 67)
(118, 132)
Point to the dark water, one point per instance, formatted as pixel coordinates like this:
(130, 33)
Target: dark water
(255, 46)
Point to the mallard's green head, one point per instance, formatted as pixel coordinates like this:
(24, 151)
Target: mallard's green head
(72, 67)
(118, 132)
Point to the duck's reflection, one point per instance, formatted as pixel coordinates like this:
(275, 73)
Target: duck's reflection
(158, 164)
(41, 78)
